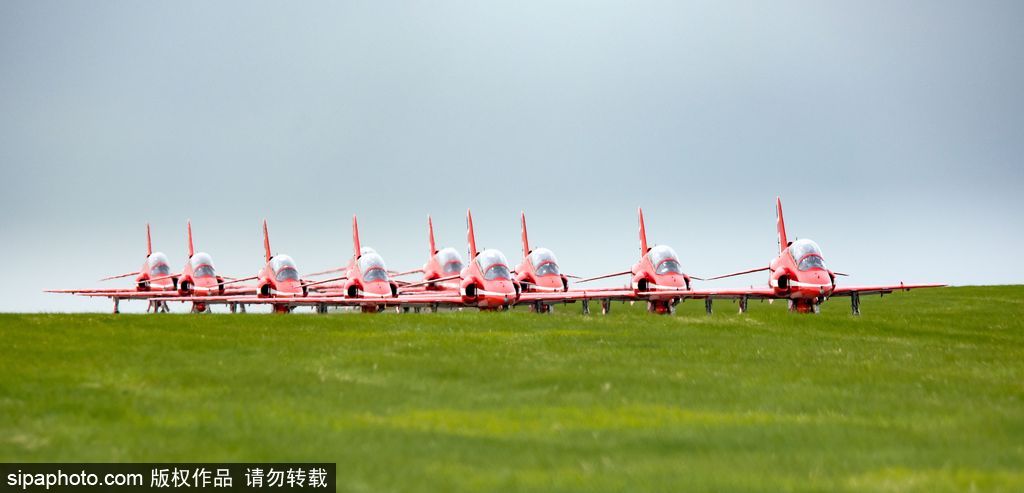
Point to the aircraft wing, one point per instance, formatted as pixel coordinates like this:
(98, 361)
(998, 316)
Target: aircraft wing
(576, 295)
(425, 298)
(436, 281)
(751, 292)
(119, 276)
(880, 289)
(615, 294)
(328, 271)
(116, 293)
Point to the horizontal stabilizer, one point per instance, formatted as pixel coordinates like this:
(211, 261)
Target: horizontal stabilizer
(405, 273)
(325, 281)
(119, 276)
(606, 276)
(232, 281)
(439, 279)
(328, 271)
(734, 274)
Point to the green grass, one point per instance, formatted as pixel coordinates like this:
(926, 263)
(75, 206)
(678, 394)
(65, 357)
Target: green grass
(921, 393)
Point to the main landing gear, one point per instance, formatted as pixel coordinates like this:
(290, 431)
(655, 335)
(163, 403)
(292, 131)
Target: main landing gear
(157, 306)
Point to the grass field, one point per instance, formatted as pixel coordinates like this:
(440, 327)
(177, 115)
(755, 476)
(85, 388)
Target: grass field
(924, 392)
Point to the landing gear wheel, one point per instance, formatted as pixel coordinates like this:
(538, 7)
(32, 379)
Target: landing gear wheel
(541, 307)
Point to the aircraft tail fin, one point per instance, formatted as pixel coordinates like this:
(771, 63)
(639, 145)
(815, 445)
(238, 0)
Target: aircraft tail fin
(781, 225)
(643, 232)
(266, 243)
(430, 235)
(526, 241)
(470, 235)
(356, 247)
(191, 246)
(149, 242)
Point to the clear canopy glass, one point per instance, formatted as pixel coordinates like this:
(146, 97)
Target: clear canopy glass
(204, 271)
(284, 268)
(493, 264)
(449, 260)
(201, 259)
(158, 265)
(807, 255)
(664, 260)
(371, 265)
(811, 262)
(544, 262)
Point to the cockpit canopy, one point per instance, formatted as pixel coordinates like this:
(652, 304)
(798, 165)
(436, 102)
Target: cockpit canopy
(664, 260)
(449, 260)
(807, 255)
(202, 265)
(371, 265)
(284, 268)
(544, 262)
(157, 265)
(494, 265)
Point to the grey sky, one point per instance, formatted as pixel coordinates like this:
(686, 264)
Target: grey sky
(893, 131)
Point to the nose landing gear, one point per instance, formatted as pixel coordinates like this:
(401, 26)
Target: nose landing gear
(541, 307)
(661, 307)
(805, 306)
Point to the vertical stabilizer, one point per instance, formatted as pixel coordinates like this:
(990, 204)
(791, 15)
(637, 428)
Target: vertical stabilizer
(643, 232)
(357, 250)
(781, 225)
(266, 242)
(430, 235)
(191, 247)
(149, 242)
(526, 241)
(470, 235)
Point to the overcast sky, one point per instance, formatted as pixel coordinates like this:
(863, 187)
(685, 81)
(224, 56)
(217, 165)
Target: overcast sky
(894, 131)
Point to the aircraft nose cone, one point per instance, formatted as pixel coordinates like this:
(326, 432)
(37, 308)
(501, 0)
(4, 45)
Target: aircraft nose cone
(497, 293)
(161, 284)
(289, 287)
(815, 283)
(672, 281)
(552, 282)
(205, 282)
(378, 288)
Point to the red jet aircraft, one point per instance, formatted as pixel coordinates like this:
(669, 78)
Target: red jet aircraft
(445, 263)
(199, 278)
(657, 277)
(366, 281)
(154, 281)
(365, 284)
(539, 272)
(277, 280)
(799, 275)
(485, 283)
